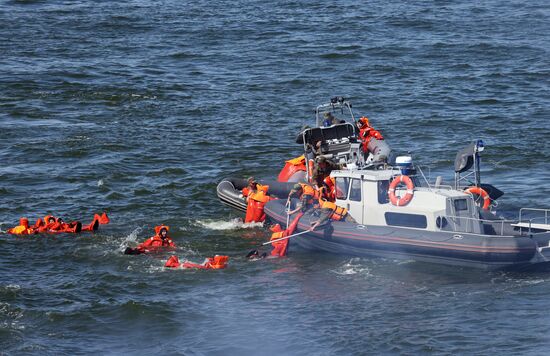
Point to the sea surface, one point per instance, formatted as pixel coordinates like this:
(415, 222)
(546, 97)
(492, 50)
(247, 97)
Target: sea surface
(140, 108)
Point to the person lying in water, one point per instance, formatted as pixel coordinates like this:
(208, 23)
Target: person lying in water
(160, 241)
(216, 262)
(54, 225)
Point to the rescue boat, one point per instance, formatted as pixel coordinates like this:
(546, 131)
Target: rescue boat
(398, 212)
(400, 215)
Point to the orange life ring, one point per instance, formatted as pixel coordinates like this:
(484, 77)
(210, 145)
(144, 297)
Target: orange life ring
(482, 193)
(404, 200)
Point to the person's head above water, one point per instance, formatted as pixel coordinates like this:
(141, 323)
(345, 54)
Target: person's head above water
(162, 231)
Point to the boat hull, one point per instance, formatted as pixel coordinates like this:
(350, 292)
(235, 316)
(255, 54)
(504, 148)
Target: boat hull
(450, 248)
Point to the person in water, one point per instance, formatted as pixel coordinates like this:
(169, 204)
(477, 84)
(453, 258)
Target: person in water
(53, 225)
(216, 262)
(22, 229)
(160, 241)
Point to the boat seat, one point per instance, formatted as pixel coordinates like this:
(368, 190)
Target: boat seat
(336, 132)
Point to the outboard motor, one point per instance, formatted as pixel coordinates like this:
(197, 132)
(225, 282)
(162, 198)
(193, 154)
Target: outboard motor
(405, 164)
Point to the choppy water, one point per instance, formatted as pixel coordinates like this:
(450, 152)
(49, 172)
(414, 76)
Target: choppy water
(140, 108)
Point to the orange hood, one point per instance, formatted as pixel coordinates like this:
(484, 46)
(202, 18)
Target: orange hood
(47, 217)
(158, 228)
(24, 222)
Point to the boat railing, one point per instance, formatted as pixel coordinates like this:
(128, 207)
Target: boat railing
(546, 212)
(471, 223)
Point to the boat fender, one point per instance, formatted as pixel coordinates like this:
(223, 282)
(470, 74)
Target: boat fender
(404, 200)
(483, 194)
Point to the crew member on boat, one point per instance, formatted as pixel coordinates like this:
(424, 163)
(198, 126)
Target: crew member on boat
(331, 211)
(322, 169)
(367, 133)
(306, 193)
(327, 190)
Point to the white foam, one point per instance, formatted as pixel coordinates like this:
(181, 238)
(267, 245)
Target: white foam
(352, 267)
(132, 237)
(100, 183)
(233, 224)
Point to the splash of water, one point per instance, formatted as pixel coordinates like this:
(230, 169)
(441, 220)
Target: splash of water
(233, 224)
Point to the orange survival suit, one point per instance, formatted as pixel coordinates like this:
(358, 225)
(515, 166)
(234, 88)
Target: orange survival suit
(22, 229)
(367, 133)
(216, 262)
(158, 241)
(256, 196)
(280, 248)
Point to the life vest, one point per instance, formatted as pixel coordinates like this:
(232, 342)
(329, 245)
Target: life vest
(259, 187)
(255, 206)
(338, 213)
(291, 167)
(327, 193)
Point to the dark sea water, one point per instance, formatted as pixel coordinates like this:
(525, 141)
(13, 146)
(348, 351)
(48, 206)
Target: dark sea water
(139, 109)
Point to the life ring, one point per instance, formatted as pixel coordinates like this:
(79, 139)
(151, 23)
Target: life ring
(482, 193)
(404, 200)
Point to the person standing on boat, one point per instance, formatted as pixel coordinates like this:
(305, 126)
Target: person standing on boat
(330, 210)
(306, 193)
(322, 169)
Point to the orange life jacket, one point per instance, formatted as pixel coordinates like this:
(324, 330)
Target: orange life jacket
(327, 194)
(338, 213)
(259, 187)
